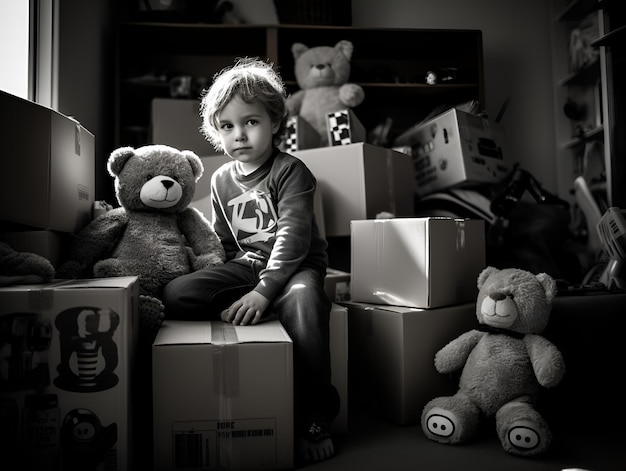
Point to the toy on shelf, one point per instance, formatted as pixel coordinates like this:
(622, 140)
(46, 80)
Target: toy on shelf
(324, 103)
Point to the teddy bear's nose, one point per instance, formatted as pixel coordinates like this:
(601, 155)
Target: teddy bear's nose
(497, 296)
(167, 183)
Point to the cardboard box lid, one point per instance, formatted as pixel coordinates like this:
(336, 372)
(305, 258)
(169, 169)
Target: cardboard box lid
(92, 283)
(178, 332)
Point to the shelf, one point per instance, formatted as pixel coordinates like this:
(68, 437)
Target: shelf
(577, 9)
(591, 135)
(390, 64)
(588, 75)
(611, 38)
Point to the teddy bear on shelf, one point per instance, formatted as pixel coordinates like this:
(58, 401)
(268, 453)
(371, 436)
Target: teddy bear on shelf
(322, 74)
(505, 362)
(154, 235)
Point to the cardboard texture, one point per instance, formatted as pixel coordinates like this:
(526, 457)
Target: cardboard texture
(416, 262)
(222, 396)
(52, 183)
(358, 181)
(391, 356)
(455, 148)
(67, 353)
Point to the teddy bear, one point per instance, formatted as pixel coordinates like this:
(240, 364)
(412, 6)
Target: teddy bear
(322, 75)
(23, 267)
(504, 363)
(154, 234)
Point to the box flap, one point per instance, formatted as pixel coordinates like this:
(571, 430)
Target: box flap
(179, 332)
(114, 282)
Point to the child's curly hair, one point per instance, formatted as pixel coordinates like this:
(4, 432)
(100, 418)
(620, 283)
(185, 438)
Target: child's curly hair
(251, 79)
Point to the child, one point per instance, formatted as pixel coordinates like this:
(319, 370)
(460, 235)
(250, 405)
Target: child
(275, 258)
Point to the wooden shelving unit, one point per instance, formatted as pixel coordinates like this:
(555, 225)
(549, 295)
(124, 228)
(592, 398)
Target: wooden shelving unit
(390, 65)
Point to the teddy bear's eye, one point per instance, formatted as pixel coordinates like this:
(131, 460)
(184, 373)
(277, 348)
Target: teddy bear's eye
(149, 177)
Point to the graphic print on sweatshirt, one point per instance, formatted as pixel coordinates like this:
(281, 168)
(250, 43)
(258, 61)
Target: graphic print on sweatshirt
(253, 217)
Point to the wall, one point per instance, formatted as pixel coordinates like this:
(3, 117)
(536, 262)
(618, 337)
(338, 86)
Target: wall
(86, 76)
(517, 63)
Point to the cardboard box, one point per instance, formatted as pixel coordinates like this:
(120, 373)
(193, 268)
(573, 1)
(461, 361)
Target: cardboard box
(392, 352)
(52, 169)
(416, 262)
(339, 363)
(222, 396)
(455, 149)
(299, 135)
(68, 349)
(358, 181)
(337, 285)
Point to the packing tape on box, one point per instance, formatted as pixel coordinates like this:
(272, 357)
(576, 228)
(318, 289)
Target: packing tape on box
(225, 363)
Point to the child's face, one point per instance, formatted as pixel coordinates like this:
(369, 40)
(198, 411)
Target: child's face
(247, 132)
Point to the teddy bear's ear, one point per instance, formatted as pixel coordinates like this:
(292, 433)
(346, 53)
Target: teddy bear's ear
(195, 162)
(486, 273)
(346, 48)
(549, 285)
(118, 159)
(297, 49)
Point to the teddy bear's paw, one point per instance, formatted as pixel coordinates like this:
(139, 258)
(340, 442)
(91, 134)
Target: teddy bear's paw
(151, 314)
(441, 425)
(525, 438)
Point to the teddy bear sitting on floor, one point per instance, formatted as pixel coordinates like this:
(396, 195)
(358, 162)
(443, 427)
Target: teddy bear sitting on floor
(154, 235)
(504, 363)
(322, 74)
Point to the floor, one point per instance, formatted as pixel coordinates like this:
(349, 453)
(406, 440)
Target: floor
(373, 443)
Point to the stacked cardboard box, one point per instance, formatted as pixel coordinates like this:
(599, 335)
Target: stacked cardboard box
(51, 189)
(359, 181)
(454, 149)
(68, 350)
(413, 289)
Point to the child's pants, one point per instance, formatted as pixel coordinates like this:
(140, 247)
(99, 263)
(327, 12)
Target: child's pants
(302, 308)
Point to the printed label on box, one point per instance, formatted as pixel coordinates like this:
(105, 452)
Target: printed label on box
(212, 444)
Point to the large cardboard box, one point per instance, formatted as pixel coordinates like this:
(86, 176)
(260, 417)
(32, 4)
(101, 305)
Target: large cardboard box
(339, 363)
(455, 148)
(416, 262)
(359, 181)
(51, 172)
(222, 396)
(392, 352)
(67, 353)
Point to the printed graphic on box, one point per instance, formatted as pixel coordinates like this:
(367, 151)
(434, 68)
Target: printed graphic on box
(49, 359)
(88, 351)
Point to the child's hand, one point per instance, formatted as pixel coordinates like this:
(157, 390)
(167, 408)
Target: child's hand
(246, 310)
